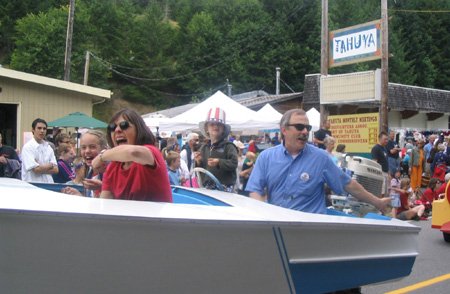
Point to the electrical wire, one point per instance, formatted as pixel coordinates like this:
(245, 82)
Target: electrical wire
(225, 48)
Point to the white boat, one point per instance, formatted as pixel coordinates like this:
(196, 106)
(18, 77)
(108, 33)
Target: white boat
(206, 242)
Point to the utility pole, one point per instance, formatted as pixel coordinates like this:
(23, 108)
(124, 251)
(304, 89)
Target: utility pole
(384, 67)
(86, 69)
(69, 41)
(324, 52)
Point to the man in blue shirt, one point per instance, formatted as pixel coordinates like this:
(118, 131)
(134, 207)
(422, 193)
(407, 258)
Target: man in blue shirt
(295, 172)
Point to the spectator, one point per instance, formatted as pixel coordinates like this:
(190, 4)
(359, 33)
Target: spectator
(173, 161)
(173, 146)
(137, 170)
(416, 164)
(395, 192)
(329, 143)
(393, 151)
(295, 172)
(379, 154)
(441, 189)
(252, 144)
(406, 211)
(65, 157)
(187, 154)
(427, 149)
(440, 163)
(8, 155)
(237, 140)
(219, 156)
(340, 150)
(320, 135)
(62, 138)
(247, 168)
(405, 163)
(91, 144)
(80, 169)
(48, 139)
(239, 180)
(276, 138)
(230, 137)
(430, 193)
(38, 158)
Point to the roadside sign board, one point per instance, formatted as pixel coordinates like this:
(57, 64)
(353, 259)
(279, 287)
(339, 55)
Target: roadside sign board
(358, 132)
(355, 44)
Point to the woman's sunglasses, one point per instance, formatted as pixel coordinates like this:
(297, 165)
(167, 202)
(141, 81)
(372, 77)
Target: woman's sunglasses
(300, 127)
(123, 126)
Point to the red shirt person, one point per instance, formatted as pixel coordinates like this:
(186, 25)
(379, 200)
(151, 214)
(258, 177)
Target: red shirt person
(137, 170)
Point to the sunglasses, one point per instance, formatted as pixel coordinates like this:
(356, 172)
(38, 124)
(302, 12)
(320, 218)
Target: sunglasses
(123, 126)
(300, 127)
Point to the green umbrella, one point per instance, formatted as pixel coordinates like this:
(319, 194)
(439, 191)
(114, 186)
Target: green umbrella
(77, 120)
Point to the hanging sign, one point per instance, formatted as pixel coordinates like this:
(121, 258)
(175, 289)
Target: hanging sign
(355, 44)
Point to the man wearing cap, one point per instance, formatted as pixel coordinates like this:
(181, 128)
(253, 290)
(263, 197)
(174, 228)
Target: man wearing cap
(295, 172)
(219, 156)
(187, 154)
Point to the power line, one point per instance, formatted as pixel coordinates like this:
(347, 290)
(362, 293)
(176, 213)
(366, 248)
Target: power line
(105, 63)
(225, 48)
(420, 11)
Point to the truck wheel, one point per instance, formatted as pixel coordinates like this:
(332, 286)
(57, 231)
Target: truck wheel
(446, 237)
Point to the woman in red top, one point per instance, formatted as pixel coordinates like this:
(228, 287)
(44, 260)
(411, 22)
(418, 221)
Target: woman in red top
(137, 170)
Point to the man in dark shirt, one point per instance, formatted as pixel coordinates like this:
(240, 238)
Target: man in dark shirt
(393, 153)
(6, 152)
(320, 135)
(379, 154)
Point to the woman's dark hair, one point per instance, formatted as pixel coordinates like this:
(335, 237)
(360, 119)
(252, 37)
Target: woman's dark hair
(340, 148)
(143, 134)
(433, 182)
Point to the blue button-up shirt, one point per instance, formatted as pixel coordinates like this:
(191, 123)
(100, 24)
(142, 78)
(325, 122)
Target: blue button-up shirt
(297, 183)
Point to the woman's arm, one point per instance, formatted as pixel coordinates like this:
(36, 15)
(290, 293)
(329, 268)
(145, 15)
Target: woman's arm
(125, 153)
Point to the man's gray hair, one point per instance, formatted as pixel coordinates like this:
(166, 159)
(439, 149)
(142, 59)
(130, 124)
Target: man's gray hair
(192, 136)
(447, 178)
(287, 117)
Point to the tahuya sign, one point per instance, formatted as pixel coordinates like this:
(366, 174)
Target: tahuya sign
(355, 44)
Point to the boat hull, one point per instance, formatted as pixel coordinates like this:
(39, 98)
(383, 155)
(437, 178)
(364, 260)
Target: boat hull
(99, 246)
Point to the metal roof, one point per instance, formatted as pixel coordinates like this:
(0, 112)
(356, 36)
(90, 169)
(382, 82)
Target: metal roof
(31, 78)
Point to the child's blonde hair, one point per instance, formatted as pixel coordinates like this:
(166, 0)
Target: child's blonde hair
(404, 182)
(171, 157)
(250, 155)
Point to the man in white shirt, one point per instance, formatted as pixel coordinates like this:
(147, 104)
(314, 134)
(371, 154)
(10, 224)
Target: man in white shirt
(38, 159)
(187, 154)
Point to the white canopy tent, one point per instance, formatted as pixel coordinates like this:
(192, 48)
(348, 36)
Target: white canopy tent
(269, 112)
(314, 120)
(239, 117)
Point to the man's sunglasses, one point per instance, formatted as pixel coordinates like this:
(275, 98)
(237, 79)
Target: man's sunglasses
(123, 126)
(300, 127)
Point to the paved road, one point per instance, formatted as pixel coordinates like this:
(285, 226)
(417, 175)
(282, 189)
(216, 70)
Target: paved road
(433, 261)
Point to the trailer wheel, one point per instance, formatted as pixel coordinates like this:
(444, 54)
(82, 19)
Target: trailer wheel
(446, 237)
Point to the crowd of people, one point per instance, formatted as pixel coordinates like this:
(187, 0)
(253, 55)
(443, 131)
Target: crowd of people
(129, 163)
(406, 170)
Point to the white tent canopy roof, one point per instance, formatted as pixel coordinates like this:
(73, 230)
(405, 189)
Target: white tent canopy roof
(238, 116)
(269, 112)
